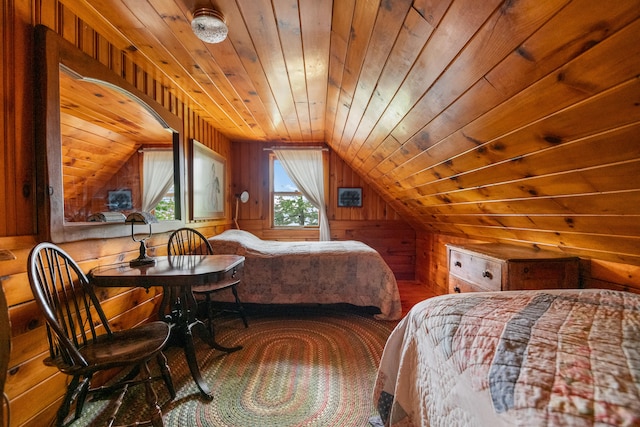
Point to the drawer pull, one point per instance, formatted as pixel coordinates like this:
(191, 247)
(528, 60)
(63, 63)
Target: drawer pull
(456, 290)
(458, 264)
(487, 274)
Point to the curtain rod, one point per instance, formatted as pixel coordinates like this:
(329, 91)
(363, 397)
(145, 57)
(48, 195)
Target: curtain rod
(142, 150)
(299, 147)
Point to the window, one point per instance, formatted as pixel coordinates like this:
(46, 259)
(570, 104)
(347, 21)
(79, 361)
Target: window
(165, 210)
(289, 208)
(157, 184)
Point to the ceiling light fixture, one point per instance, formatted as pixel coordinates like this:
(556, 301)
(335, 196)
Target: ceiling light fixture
(209, 25)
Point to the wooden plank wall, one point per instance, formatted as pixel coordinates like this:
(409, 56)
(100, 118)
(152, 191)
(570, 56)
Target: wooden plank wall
(35, 390)
(375, 223)
(512, 121)
(432, 268)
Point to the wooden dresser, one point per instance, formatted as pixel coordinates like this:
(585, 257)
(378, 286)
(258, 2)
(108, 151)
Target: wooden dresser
(495, 267)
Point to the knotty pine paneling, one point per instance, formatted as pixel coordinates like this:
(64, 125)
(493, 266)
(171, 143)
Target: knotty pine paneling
(470, 121)
(523, 130)
(432, 268)
(461, 114)
(17, 183)
(394, 240)
(29, 379)
(375, 223)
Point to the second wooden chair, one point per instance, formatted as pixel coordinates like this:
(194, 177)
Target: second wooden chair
(188, 241)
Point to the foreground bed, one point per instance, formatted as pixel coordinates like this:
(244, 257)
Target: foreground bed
(530, 358)
(312, 273)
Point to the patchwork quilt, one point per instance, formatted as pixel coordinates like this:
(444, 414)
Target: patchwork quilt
(328, 272)
(529, 358)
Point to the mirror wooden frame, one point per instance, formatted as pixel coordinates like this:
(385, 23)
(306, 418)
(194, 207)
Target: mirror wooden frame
(52, 51)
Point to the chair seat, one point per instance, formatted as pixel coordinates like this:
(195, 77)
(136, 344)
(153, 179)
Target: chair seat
(122, 348)
(211, 287)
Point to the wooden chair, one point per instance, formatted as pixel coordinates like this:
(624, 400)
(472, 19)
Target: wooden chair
(81, 342)
(187, 241)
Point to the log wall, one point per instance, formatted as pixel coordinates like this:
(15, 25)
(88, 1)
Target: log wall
(34, 390)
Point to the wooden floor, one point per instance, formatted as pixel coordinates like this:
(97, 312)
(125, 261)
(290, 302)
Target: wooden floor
(412, 293)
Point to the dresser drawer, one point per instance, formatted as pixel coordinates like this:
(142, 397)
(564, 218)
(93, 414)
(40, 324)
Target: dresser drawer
(457, 285)
(483, 272)
(495, 267)
(542, 275)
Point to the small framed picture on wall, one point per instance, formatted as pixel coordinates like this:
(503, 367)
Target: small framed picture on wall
(349, 197)
(119, 200)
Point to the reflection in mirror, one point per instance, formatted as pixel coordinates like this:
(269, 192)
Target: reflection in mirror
(105, 149)
(117, 157)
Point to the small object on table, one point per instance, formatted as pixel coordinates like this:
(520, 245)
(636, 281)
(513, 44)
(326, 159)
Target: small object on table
(141, 218)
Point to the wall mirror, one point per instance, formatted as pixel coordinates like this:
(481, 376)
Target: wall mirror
(99, 139)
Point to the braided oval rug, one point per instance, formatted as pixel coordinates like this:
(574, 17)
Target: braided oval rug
(298, 367)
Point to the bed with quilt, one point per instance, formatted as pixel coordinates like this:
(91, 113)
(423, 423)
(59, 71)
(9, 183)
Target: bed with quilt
(331, 272)
(528, 358)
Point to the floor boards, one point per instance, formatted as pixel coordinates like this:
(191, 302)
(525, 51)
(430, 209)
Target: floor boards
(412, 293)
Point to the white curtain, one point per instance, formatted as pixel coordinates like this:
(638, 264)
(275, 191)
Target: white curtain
(157, 177)
(305, 169)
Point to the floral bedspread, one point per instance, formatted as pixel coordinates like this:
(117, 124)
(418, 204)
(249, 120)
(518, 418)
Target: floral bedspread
(529, 358)
(328, 272)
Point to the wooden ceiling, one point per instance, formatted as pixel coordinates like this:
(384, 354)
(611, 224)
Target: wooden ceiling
(483, 118)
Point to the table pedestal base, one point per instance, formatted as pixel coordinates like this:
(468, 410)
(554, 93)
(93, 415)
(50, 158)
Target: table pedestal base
(184, 324)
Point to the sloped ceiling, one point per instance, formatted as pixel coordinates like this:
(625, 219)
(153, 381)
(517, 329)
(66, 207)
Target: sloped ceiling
(490, 118)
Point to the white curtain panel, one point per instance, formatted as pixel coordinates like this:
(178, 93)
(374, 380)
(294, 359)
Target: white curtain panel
(304, 167)
(157, 177)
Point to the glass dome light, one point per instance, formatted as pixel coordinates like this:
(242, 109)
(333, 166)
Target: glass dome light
(209, 25)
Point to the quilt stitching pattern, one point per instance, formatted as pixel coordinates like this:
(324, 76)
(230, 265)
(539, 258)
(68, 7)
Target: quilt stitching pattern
(569, 357)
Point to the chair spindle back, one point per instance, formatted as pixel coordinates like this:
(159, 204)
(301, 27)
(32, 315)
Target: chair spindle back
(187, 241)
(70, 307)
